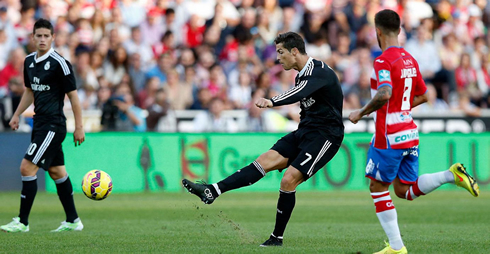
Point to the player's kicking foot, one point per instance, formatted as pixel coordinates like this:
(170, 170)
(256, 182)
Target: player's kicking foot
(15, 226)
(389, 250)
(464, 180)
(68, 226)
(203, 191)
(272, 241)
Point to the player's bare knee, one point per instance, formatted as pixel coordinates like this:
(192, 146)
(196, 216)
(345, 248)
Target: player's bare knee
(287, 183)
(400, 193)
(376, 186)
(27, 168)
(57, 172)
(271, 160)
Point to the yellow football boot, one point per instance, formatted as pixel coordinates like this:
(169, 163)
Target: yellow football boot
(389, 250)
(464, 180)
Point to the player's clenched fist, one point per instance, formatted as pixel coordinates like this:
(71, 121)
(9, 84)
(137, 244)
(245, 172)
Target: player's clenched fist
(263, 103)
(355, 116)
(14, 122)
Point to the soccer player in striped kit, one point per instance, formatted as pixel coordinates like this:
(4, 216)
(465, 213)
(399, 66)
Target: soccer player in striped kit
(302, 152)
(397, 87)
(47, 77)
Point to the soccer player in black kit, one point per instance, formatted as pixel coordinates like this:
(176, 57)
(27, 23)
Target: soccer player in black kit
(47, 77)
(302, 152)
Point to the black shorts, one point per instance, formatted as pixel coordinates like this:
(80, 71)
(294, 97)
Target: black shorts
(308, 151)
(45, 149)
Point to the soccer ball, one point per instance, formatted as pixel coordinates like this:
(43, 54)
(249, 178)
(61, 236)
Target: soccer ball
(97, 185)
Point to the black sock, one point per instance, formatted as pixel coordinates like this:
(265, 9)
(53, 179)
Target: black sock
(28, 193)
(285, 206)
(243, 177)
(65, 193)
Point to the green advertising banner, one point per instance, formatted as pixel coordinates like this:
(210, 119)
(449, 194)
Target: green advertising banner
(140, 162)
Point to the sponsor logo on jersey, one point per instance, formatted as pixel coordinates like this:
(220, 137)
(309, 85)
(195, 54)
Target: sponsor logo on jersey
(409, 73)
(39, 87)
(407, 137)
(380, 61)
(47, 65)
(31, 66)
(406, 116)
(384, 75)
(308, 102)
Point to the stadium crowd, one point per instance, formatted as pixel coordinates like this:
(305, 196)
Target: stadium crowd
(137, 61)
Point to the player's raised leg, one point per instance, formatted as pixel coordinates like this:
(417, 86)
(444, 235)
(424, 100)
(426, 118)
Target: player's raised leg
(28, 172)
(65, 193)
(245, 176)
(427, 183)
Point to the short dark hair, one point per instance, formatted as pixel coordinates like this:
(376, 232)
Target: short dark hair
(387, 20)
(169, 11)
(43, 23)
(291, 40)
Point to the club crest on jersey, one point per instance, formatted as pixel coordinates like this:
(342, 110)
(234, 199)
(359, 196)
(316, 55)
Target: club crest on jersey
(47, 65)
(384, 75)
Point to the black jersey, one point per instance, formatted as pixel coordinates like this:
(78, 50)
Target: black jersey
(50, 77)
(318, 90)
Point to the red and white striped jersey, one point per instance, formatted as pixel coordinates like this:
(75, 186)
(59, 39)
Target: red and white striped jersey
(394, 124)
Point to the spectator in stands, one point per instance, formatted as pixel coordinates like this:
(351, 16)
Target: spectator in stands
(97, 63)
(179, 93)
(61, 44)
(84, 74)
(88, 97)
(433, 105)
(117, 67)
(165, 46)
(117, 23)
(160, 117)
(160, 70)
(424, 50)
(136, 72)
(13, 69)
(97, 22)
(202, 100)
(213, 119)
(194, 32)
(466, 80)
(146, 97)
(241, 95)
(136, 45)
(120, 114)
(216, 83)
(103, 95)
(152, 29)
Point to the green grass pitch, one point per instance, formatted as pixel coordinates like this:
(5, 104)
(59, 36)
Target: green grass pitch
(322, 222)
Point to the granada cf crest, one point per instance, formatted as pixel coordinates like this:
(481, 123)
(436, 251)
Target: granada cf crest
(47, 65)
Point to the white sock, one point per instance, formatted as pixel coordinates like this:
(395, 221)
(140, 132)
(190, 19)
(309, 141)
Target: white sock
(386, 212)
(426, 183)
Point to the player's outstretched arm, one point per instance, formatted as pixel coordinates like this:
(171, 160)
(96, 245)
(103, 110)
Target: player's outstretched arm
(380, 99)
(25, 102)
(79, 134)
